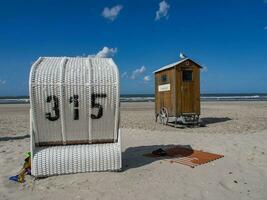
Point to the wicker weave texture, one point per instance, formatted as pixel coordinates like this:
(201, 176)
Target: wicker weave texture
(68, 159)
(95, 81)
(59, 86)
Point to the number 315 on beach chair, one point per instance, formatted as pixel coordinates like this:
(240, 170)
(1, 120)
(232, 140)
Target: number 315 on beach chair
(74, 115)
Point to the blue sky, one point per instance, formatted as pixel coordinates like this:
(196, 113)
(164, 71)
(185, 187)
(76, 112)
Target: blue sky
(228, 37)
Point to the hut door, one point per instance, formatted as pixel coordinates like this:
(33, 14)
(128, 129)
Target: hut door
(187, 91)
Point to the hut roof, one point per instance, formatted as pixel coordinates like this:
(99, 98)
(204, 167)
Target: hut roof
(176, 63)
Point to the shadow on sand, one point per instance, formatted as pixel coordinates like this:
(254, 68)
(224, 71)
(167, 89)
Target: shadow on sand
(203, 122)
(212, 120)
(21, 137)
(133, 157)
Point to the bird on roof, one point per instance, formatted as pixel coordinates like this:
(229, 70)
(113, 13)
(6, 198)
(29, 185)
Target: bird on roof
(182, 56)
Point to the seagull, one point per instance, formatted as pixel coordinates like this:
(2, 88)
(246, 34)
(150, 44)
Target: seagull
(182, 56)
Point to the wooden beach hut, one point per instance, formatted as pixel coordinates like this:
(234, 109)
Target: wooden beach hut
(177, 92)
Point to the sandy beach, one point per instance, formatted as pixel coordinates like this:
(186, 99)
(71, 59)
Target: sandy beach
(238, 130)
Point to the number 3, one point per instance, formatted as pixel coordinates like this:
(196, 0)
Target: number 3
(55, 108)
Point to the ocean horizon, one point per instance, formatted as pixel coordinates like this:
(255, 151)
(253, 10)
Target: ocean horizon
(151, 97)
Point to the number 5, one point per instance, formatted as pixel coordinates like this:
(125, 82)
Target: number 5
(97, 105)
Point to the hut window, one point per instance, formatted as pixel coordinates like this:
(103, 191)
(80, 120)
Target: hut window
(187, 75)
(164, 78)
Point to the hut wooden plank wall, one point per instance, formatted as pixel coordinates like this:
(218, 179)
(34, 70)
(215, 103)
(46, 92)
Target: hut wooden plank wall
(177, 88)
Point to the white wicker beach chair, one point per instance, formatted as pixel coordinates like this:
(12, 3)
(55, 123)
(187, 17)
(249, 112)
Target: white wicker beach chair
(74, 115)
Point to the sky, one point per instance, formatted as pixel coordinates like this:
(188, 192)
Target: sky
(227, 37)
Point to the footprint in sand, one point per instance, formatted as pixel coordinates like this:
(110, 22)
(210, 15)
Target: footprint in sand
(230, 185)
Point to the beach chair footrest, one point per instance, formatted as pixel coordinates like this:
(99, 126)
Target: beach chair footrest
(55, 160)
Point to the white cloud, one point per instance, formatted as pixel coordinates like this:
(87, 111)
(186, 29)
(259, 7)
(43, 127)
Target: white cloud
(265, 1)
(136, 73)
(147, 78)
(91, 56)
(265, 28)
(112, 13)
(105, 53)
(162, 11)
(2, 82)
(124, 75)
(204, 69)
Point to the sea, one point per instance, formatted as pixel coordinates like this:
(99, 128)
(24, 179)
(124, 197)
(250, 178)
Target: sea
(151, 98)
